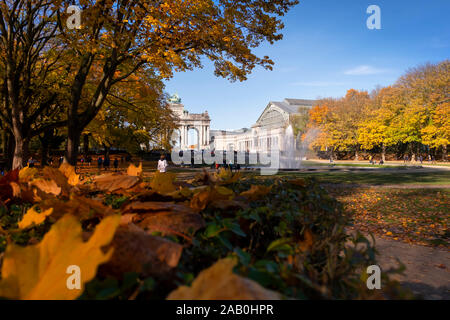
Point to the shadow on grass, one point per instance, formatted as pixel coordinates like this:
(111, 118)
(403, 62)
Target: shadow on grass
(377, 178)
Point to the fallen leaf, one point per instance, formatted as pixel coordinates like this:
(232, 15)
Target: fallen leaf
(218, 282)
(39, 272)
(6, 190)
(163, 182)
(32, 217)
(134, 171)
(154, 206)
(256, 192)
(171, 222)
(137, 251)
(69, 172)
(47, 186)
(111, 182)
(27, 173)
(308, 241)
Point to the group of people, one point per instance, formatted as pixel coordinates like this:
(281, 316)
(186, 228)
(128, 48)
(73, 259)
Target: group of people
(230, 166)
(105, 162)
(374, 162)
(431, 159)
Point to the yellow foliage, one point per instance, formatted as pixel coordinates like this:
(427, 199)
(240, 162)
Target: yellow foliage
(69, 171)
(40, 271)
(27, 173)
(134, 171)
(32, 217)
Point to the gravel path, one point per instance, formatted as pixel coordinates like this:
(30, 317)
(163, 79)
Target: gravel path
(427, 271)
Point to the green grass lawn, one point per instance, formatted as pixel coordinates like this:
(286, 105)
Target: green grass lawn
(377, 178)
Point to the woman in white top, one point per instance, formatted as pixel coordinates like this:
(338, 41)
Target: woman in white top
(162, 164)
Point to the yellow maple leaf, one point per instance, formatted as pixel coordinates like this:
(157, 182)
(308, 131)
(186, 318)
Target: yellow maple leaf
(32, 217)
(69, 171)
(134, 171)
(41, 271)
(27, 173)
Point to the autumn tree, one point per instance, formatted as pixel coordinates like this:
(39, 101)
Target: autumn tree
(427, 90)
(339, 120)
(124, 36)
(29, 72)
(134, 114)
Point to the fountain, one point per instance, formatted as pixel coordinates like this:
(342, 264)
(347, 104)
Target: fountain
(289, 159)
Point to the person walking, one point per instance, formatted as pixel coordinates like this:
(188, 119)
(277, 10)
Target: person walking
(106, 163)
(162, 164)
(116, 164)
(99, 163)
(31, 162)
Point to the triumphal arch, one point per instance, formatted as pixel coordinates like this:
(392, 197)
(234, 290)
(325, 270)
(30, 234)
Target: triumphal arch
(199, 122)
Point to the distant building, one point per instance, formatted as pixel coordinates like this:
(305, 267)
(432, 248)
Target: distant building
(268, 131)
(200, 122)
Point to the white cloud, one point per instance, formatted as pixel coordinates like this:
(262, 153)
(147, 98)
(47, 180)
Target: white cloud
(364, 70)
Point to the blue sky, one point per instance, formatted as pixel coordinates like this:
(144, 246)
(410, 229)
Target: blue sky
(327, 49)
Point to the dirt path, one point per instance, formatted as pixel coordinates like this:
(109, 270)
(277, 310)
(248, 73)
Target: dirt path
(427, 269)
(387, 186)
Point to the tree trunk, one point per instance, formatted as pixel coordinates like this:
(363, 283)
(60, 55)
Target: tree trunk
(9, 151)
(383, 152)
(45, 144)
(107, 150)
(73, 142)
(19, 155)
(4, 137)
(444, 153)
(86, 144)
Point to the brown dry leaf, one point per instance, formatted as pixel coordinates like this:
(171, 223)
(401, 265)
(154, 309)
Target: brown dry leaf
(210, 194)
(32, 217)
(308, 241)
(225, 176)
(16, 189)
(40, 271)
(47, 186)
(256, 192)
(146, 207)
(127, 218)
(163, 182)
(298, 182)
(201, 199)
(111, 182)
(59, 178)
(171, 222)
(6, 190)
(134, 171)
(137, 251)
(218, 282)
(69, 172)
(81, 207)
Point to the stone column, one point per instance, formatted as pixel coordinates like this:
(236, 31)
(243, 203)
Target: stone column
(200, 137)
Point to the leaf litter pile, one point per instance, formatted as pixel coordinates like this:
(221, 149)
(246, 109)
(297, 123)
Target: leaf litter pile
(418, 216)
(217, 236)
